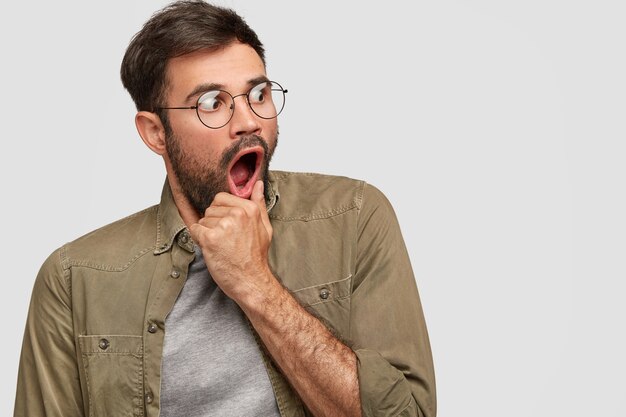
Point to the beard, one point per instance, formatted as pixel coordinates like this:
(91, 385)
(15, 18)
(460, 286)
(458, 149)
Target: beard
(200, 180)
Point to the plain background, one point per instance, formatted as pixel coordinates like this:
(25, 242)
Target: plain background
(496, 129)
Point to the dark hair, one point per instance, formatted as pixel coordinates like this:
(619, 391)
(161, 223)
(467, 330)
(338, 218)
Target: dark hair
(178, 29)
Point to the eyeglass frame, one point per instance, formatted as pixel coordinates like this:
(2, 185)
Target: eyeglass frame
(232, 112)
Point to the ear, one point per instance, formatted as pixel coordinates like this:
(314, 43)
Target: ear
(151, 131)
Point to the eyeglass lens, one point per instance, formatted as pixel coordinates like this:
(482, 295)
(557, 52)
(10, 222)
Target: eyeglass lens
(216, 108)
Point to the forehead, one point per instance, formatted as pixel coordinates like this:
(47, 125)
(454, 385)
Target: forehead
(231, 67)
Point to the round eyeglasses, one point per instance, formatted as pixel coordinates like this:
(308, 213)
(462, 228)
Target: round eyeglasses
(215, 108)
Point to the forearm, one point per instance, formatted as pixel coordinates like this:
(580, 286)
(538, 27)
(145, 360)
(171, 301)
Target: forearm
(235, 235)
(320, 367)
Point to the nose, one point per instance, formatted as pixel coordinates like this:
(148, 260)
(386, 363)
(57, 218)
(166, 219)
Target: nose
(244, 121)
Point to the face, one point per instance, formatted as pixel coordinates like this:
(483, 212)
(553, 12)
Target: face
(206, 161)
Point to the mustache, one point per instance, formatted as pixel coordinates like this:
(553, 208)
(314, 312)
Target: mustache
(242, 143)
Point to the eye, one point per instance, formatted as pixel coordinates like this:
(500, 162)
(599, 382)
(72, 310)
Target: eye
(211, 101)
(258, 94)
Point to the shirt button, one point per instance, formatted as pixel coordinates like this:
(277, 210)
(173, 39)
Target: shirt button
(184, 238)
(324, 293)
(175, 274)
(103, 344)
(149, 398)
(152, 328)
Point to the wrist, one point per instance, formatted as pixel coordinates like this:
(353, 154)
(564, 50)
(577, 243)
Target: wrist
(259, 294)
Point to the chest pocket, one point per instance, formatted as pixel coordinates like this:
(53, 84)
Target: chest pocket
(113, 368)
(330, 302)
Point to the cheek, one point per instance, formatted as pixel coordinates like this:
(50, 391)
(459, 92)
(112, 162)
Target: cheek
(270, 131)
(199, 142)
(183, 120)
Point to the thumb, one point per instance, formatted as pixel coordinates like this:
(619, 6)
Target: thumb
(258, 197)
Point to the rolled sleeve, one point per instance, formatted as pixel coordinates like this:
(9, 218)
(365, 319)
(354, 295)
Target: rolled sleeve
(387, 326)
(48, 381)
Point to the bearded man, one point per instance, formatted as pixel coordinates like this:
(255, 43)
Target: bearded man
(245, 292)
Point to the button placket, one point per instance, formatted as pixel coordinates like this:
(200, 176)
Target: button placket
(168, 281)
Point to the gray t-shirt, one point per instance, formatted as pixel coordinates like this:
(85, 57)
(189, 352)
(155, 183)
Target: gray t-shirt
(212, 366)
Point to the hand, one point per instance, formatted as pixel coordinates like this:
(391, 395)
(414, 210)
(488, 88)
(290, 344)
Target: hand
(235, 235)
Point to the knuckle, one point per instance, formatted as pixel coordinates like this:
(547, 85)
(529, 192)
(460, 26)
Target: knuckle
(216, 200)
(238, 212)
(220, 196)
(227, 223)
(209, 236)
(200, 238)
(194, 230)
(254, 209)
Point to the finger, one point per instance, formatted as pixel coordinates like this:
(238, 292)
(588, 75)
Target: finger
(258, 197)
(231, 201)
(228, 200)
(206, 231)
(257, 194)
(217, 211)
(209, 222)
(196, 231)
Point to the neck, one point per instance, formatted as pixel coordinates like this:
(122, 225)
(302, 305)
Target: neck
(187, 212)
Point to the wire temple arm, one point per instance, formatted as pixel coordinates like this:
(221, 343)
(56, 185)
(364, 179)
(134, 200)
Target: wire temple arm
(176, 108)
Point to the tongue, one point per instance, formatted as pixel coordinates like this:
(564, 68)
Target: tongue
(240, 173)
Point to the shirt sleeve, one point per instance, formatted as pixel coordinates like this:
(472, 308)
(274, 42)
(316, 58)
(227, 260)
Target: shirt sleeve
(387, 328)
(48, 380)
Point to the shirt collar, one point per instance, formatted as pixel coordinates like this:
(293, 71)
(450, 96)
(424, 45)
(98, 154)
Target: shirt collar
(170, 225)
(272, 193)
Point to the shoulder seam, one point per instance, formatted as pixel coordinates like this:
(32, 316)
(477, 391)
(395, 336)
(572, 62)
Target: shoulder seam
(359, 194)
(101, 267)
(318, 216)
(67, 280)
(354, 191)
(67, 262)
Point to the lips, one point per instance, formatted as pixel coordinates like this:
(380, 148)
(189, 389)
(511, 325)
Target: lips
(243, 171)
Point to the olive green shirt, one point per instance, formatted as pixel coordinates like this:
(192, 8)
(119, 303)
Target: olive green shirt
(94, 336)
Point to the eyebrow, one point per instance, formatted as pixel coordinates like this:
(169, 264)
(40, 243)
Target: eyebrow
(202, 88)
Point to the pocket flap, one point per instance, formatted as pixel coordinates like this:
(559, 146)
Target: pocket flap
(110, 344)
(324, 293)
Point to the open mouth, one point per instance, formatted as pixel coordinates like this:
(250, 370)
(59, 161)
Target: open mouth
(244, 171)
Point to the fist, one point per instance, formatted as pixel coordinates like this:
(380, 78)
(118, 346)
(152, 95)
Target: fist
(235, 236)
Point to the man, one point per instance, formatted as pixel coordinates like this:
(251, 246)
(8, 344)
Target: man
(245, 291)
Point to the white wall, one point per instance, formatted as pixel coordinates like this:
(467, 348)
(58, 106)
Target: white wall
(495, 128)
